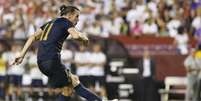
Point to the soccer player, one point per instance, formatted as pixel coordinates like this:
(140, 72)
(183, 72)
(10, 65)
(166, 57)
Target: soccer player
(51, 37)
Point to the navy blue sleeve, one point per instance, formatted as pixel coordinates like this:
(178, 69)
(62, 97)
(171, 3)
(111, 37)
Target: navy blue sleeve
(68, 25)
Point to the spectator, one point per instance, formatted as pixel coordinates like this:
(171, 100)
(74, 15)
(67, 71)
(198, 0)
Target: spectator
(37, 79)
(136, 29)
(146, 89)
(196, 23)
(36, 75)
(67, 56)
(106, 24)
(14, 72)
(124, 30)
(20, 32)
(150, 27)
(195, 4)
(137, 12)
(116, 22)
(173, 25)
(30, 26)
(83, 66)
(95, 29)
(186, 19)
(163, 31)
(192, 75)
(198, 59)
(181, 41)
(2, 73)
(152, 6)
(97, 69)
(197, 36)
(8, 16)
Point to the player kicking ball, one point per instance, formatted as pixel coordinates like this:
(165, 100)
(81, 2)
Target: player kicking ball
(51, 37)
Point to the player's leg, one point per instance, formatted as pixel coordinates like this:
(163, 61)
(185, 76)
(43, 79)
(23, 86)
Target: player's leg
(57, 76)
(83, 91)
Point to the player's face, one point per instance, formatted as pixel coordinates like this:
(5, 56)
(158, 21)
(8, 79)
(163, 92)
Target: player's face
(75, 17)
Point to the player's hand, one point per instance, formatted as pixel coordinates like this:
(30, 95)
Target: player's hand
(19, 58)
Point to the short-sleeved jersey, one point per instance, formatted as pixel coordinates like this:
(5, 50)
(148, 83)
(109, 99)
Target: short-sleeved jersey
(51, 41)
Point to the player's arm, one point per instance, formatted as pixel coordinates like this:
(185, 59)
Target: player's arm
(74, 34)
(28, 43)
(31, 39)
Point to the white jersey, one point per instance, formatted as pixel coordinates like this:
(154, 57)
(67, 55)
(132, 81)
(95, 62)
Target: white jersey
(34, 72)
(97, 58)
(182, 43)
(66, 57)
(82, 57)
(14, 69)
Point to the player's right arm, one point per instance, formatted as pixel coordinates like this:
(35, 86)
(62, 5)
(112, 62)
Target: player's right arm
(31, 39)
(74, 34)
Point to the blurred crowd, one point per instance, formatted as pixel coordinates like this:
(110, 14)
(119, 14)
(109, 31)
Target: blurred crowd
(20, 18)
(174, 18)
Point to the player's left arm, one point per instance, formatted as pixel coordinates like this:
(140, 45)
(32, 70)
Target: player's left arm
(30, 40)
(28, 43)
